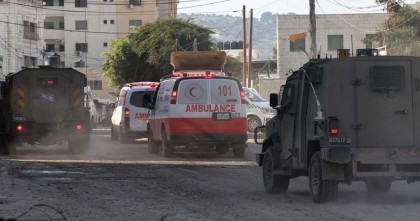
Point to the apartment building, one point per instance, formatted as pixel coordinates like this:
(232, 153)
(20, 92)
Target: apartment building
(21, 36)
(80, 31)
(334, 31)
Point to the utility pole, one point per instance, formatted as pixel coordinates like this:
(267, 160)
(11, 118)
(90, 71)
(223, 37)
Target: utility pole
(312, 28)
(244, 45)
(251, 17)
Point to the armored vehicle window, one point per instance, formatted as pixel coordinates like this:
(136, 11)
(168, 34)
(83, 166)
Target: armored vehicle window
(387, 78)
(287, 96)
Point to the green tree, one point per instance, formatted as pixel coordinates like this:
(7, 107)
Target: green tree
(233, 67)
(145, 54)
(402, 31)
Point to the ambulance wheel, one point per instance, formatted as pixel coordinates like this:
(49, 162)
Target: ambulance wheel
(378, 186)
(167, 149)
(321, 190)
(239, 151)
(152, 146)
(273, 183)
(220, 149)
(113, 135)
(253, 122)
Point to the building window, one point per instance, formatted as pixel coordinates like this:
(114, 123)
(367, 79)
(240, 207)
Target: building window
(29, 30)
(60, 2)
(105, 22)
(61, 25)
(49, 48)
(135, 2)
(81, 25)
(49, 25)
(61, 48)
(30, 61)
(82, 47)
(132, 24)
(49, 2)
(297, 45)
(335, 42)
(112, 22)
(80, 3)
(95, 85)
(105, 44)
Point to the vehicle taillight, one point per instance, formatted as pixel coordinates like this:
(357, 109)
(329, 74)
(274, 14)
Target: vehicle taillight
(333, 125)
(126, 112)
(79, 127)
(173, 97)
(243, 101)
(19, 127)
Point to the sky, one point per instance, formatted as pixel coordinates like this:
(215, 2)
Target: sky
(234, 7)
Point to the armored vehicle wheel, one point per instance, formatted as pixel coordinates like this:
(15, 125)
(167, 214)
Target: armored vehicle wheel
(378, 186)
(273, 183)
(321, 190)
(167, 149)
(152, 146)
(253, 122)
(113, 135)
(220, 149)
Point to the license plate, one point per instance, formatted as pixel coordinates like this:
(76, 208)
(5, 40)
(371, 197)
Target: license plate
(221, 116)
(339, 140)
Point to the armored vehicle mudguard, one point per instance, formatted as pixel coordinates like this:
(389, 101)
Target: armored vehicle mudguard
(44, 106)
(343, 120)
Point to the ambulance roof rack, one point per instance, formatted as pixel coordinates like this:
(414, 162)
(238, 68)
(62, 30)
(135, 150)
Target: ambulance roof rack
(182, 74)
(144, 83)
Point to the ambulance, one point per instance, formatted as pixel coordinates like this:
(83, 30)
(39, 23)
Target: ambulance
(198, 111)
(198, 107)
(129, 119)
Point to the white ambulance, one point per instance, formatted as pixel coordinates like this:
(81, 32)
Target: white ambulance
(129, 119)
(199, 111)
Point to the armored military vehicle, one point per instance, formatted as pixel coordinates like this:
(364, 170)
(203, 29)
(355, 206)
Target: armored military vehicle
(44, 106)
(344, 120)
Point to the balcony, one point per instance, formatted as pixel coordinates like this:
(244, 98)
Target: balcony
(54, 34)
(30, 35)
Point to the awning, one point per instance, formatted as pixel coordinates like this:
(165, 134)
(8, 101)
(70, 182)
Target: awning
(297, 36)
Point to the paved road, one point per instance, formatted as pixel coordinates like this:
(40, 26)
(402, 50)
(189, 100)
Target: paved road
(123, 182)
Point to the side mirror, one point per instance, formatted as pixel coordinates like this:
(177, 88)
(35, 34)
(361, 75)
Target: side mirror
(274, 100)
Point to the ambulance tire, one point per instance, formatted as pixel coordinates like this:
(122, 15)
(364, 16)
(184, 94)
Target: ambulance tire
(113, 135)
(253, 122)
(221, 149)
(239, 150)
(152, 146)
(167, 149)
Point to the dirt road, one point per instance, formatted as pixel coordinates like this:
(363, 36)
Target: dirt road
(123, 182)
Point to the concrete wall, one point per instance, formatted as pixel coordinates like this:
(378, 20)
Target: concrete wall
(354, 26)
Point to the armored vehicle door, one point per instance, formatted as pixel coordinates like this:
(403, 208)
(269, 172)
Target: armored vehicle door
(289, 106)
(384, 109)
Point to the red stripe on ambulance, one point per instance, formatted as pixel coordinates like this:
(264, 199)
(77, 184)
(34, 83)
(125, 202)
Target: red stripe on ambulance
(201, 126)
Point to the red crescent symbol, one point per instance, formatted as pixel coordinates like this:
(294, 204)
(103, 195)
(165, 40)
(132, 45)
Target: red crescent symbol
(191, 94)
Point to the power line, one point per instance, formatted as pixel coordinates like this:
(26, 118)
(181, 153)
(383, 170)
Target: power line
(112, 12)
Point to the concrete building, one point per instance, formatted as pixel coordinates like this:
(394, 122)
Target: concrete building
(80, 31)
(21, 36)
(334, 31)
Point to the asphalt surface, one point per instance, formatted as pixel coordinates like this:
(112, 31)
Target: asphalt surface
(114, 181)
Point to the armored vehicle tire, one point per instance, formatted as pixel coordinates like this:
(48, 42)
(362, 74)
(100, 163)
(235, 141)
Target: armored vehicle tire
(239, 152)
(220, 149)
(273, 183)
(113, 135)
(378, 186)
(253, 122)
(321, 190)
(167, 149)
(152, 146)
